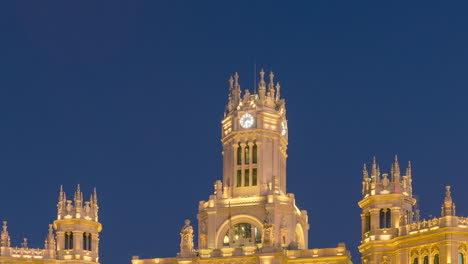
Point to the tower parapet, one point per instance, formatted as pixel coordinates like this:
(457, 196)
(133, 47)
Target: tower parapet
(379, 183)
(77, 208)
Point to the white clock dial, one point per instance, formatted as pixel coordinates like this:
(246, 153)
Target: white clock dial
(246, 120)
(284, 128)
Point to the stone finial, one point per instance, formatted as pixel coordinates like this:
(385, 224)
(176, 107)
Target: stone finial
(262, 85)
(365, 174)
(278, 87)
(448, 207)
(25, 243)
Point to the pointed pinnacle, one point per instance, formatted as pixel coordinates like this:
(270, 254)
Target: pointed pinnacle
(231, 81)
(396, 158)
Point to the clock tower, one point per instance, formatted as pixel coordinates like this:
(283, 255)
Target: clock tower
(250, 207)
(254, 137)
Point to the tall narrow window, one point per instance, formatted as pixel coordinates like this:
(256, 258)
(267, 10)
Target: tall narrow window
(382, 218)
(385, 218)
(426, 260)
(239, 178)
(436, 259)
(388, 218)
(415, 261)
(254, 153)
(239, 155)
(247, 154)
(461, 258)
(367, 222)
(85, 241)
(246, 178)
(254, 177)
(68, 240)
(90, 239)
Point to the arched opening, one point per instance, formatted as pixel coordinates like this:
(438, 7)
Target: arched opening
(385, 218)
(436, 259)
(415, 260)
(461, 258)
(225, 234)
(242, 234)
(68, 240)
(426, 260)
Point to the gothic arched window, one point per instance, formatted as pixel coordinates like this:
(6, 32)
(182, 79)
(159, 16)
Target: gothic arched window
(436, 259)
(254, 153)
(239, 155)
(461, 258)
(416, 261)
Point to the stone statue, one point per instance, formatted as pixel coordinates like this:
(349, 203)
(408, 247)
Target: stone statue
(268, 234)
(186, 239)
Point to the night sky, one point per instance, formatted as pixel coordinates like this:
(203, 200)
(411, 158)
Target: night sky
(127, 97)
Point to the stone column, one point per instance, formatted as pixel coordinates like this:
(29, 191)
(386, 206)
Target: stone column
(375, 218)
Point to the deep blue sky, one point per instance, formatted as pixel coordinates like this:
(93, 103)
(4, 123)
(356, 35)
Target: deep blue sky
(128, 96)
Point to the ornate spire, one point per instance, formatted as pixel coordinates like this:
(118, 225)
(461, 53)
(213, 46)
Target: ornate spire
(95, 199)
(396, 170)
(408, 170)
(271, 85)
(365, 174)
(374, 170)
(262, 85)
(50, 239)
(278, 87)
(236, 92)
(231, 83)
(448, 208)
(5, 237)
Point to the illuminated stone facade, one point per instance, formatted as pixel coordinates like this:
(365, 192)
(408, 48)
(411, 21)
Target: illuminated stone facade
(250, 218)
(73, 237)
(392, 231)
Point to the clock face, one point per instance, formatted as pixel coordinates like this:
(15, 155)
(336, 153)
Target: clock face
(246, 120)
(284, 128)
